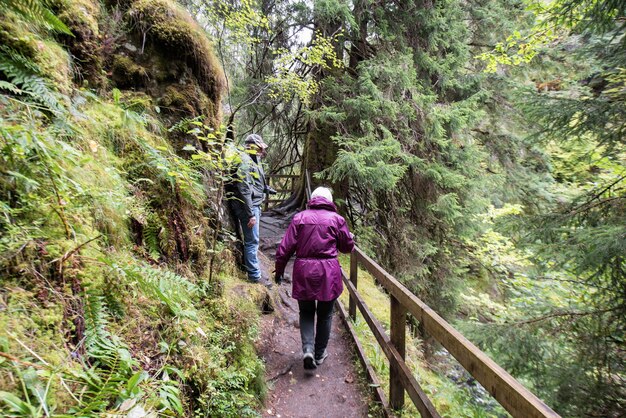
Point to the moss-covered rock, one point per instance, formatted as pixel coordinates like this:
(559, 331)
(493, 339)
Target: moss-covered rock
(128, 74)
(185, 99)
(51, 59)
(82, 17)
(172, 30)
(150, 46)
(14, 36)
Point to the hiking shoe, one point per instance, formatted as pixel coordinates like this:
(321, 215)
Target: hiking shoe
(265, 282)
(321, 359)
(262, 280)
(309, 361)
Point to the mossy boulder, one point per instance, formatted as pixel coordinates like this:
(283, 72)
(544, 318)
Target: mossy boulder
(83, 18)
(49, 57)
(13, 35)
(174, 32)
(153, 46)
(185, 99)
(127, 74)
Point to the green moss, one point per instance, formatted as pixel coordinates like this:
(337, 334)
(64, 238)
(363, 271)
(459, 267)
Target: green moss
(178, 99)
(16, 36)
(82, 17)
(187, 100)
(138, 101)
(128, 74)
(170, 28)
(80, 14)
(26, 319)
(55, 63)
(49, 56)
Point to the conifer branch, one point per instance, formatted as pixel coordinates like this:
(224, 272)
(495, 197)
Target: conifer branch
(570, 314)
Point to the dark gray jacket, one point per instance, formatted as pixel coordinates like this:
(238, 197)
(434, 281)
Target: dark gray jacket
(247, 186)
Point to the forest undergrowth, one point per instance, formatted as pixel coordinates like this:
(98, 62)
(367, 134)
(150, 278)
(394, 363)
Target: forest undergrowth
(117, 296)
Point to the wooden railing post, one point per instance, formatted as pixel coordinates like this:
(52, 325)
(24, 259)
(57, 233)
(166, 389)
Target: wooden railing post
(398, 340)
(354, 268)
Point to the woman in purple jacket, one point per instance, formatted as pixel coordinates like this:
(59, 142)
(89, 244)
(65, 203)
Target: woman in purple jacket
(315, 236)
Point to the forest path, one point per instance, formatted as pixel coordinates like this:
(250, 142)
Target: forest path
(331, 390)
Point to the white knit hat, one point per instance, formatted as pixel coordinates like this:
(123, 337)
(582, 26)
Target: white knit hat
(323, 192)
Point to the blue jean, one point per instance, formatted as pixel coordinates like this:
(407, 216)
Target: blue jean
(251, 244)
(315, 336)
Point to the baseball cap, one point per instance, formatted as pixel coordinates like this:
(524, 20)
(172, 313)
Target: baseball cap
(256, 140)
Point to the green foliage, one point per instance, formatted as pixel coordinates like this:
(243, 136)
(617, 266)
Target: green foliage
(238, 18)
(449, 399)
(92, 197)
(174, 291)
(35, 11)
(553, 20)
(25, 78)
(402, 120)
(372, 154)
(288, 80)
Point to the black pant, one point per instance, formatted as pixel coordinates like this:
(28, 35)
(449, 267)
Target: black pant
(315, 340)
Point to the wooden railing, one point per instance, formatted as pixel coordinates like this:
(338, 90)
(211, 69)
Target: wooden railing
(516, 399)
(284, 184)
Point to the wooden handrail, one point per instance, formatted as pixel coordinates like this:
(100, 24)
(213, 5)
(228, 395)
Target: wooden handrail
(514, 397)
(290, 182)
(378, 393)
(283, 176)
(404, 375)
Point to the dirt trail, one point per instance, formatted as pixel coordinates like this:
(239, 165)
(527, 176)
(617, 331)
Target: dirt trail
(331, 390)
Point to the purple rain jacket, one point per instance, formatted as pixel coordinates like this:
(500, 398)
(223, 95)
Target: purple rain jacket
(315, 235)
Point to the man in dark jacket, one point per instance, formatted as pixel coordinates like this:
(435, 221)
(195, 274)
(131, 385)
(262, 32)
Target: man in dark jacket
(246, 194)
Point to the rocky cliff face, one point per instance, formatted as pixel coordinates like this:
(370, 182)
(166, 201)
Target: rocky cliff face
(151, 50)
(114, 289)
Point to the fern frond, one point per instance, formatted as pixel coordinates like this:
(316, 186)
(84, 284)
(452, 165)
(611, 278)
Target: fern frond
(26, 76)
(151, 233)
(100, 344)
(5, 85)
(35, 11)
(174, 291)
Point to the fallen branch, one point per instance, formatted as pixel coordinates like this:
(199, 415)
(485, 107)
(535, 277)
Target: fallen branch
(72, 252)
(17, 360)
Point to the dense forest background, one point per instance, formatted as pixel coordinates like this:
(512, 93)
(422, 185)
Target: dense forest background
(476, 147)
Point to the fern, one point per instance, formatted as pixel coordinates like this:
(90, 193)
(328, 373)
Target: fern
(100, 344)
(113, 364)
(152, 231)
(174, 291)
(35, 11)
(5, 85)
(25, 78)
